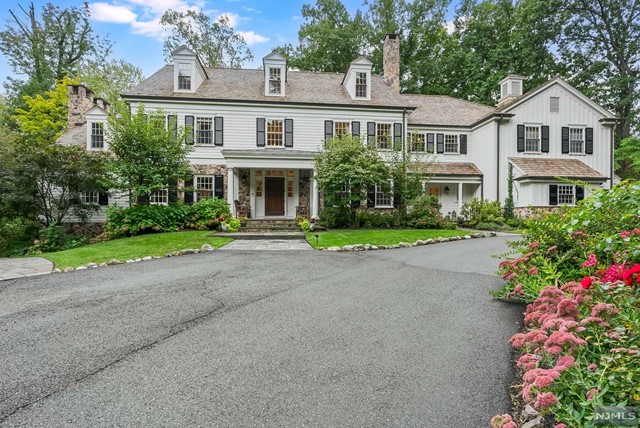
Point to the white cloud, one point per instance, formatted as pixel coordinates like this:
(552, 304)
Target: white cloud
(105, 12)
(450, 26)
(251, 9)
(232, 18)
(252, 38)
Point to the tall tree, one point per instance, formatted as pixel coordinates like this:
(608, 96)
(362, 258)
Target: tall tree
(601, 48)
(329, 39)
(212, 39)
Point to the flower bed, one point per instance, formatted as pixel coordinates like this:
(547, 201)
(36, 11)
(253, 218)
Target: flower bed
(580, 269)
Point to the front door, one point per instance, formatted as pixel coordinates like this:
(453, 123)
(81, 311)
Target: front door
(274, 191)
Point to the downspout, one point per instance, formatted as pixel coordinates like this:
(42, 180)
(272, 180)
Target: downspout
(611, 149)
(498, 159)
(404, 150)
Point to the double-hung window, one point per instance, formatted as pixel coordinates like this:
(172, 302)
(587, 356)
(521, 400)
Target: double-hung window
(184, 76)
(361, 85)
(204, 130)
(451, 143)
(576, 140)
(97, 135)
(89, 197)
(566, 194)
(275, 133)
(159, 197)
(341, 129)
(383, 135)
(532, 139)
(204, 188)
(417, 142)
(383, 199)
(275, 81)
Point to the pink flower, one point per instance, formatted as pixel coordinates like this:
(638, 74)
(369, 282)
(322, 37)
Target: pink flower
(528, 361)
(560, 426)
(534, 245)
(544, 400)
(568, 308)
(625, 234)
(533, 271)
(613, 273)
(502, 421)
(606, 308)
(565, 362)
(543, 381)
(592, 366)
(635, 231)
(591, 394)
(591, 261)
(551, 249)
(518, 289)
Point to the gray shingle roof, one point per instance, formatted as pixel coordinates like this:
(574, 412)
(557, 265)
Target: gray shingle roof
(453, 168)
(74, 136)
(551, 168)
(444, 110)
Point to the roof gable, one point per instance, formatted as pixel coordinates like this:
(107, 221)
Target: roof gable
(361, 61)
(183, 50)
(96, 111)
(275, 55)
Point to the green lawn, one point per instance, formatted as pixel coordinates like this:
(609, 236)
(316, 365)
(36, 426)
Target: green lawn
(132, 248)
(343, 237)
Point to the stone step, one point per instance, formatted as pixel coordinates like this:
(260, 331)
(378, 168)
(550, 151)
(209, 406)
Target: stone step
(269, 235)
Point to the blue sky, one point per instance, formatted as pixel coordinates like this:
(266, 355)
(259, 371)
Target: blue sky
(133, 24)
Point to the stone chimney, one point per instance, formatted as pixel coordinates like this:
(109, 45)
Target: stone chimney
(80, 102)
(102, 103)
(391, 61)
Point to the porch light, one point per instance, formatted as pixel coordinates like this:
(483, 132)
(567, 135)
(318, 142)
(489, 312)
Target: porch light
(446, 190)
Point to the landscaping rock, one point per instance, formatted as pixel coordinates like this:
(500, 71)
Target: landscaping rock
(175, 253)
(137, 260)
(147, 258)
(130, 261)
(530, 411)
(157, 257)
(402, 245)
(92, 265)
(359, 247)
(373, 247)
(429, 242)
(367, 247)
(395, 246)
(56, 270)
(115, 262)
(188, 251)
(102, 265)
(347, 248)
(467, 236)
(334, 249)
(206, 248)
(81, 268)
(421, 242)
(534, 423)
(68, 269)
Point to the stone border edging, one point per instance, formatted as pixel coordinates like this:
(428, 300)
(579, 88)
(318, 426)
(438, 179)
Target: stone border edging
(206, 248)
(419, 242)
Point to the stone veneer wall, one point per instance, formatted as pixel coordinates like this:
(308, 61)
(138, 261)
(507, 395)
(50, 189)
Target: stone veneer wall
(80, 101)
(244, 187)
(304, 189)
(209, 169)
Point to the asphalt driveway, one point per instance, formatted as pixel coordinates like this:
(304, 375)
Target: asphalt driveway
(406, 337)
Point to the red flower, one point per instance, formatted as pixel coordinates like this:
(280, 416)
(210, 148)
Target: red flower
(586, 282)
(627, 275)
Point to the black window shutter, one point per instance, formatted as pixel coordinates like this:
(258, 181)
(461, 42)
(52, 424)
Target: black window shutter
(218, 124)
(588, 141)
(288, 132)
(103, 199)
(521, 138)
(545, 140)
(143, 199)
(355, 204)
(579, 193)
(188, 192)
(371, 133)
(371, 196)
(328, 129)
(172, 125)
(463, 144)
(172, 191)
(553, 194)
(440, 142)
(565, 139)
(430, 140)
(355, 129)
(189, 129)
(218, 186)
(397, 136)
(260, 124)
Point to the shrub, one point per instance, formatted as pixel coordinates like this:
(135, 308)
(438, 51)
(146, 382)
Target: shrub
(377, 219)
(232, 224)
(16, 235)
(424, 213)
(481, 211)
(55, 238)
(335, 217)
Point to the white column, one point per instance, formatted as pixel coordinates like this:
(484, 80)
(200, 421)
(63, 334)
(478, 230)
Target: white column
(231, 190)
(459, 198)
(315, 196)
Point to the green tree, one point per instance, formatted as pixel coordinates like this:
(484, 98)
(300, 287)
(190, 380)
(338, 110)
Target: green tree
(329, 39)
(346, 169)
(213, 40)
(147, 156)
(628, 157)
(110, 79)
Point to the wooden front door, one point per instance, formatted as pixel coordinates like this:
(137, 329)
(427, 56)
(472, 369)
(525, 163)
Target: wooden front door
(274, 191)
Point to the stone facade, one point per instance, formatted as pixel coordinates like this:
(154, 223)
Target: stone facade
(80, 102)
(304, 189)
(391, 61)
(209, 169)
(244, 187)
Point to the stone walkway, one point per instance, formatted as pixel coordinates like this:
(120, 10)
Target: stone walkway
(268, 245)
(20, 268)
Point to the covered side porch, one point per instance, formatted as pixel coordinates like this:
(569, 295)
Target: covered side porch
(271, 183)
(454, 183)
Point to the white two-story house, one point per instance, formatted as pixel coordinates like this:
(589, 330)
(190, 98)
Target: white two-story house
(255, 133)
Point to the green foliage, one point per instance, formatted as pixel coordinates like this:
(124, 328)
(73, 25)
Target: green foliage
(508, 202)
(425, 214)
(231, 224)
(304, 223)
(109, 79)
(213, 39)
(375, 219)
(409, 172)
(336, 217)
(479, 211)
(146, 156)
(141, 219)
(628, 157)
(55, 238)
(16, 235)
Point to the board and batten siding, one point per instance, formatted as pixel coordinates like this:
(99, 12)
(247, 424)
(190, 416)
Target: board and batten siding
(484, 142)
(534, 193)
(573, 112)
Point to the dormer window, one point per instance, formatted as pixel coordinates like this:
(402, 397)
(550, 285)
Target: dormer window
(275, 81)
(97, 136)
(361, 85)
(184, 76)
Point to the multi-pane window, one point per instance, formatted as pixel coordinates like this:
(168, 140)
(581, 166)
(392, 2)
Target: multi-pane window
(184, 76)
(433, 191)
(97, 135)
(450, 143)
(361, 85)
(383, 199)
(566, 194)
(204, 130)
(383, 135)
(576, 140)
(417, 142)
(159, 197)
(89, 197)
(204, 188)
(341, 129)
(275, 134)
(532, 139)
(275, 81)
